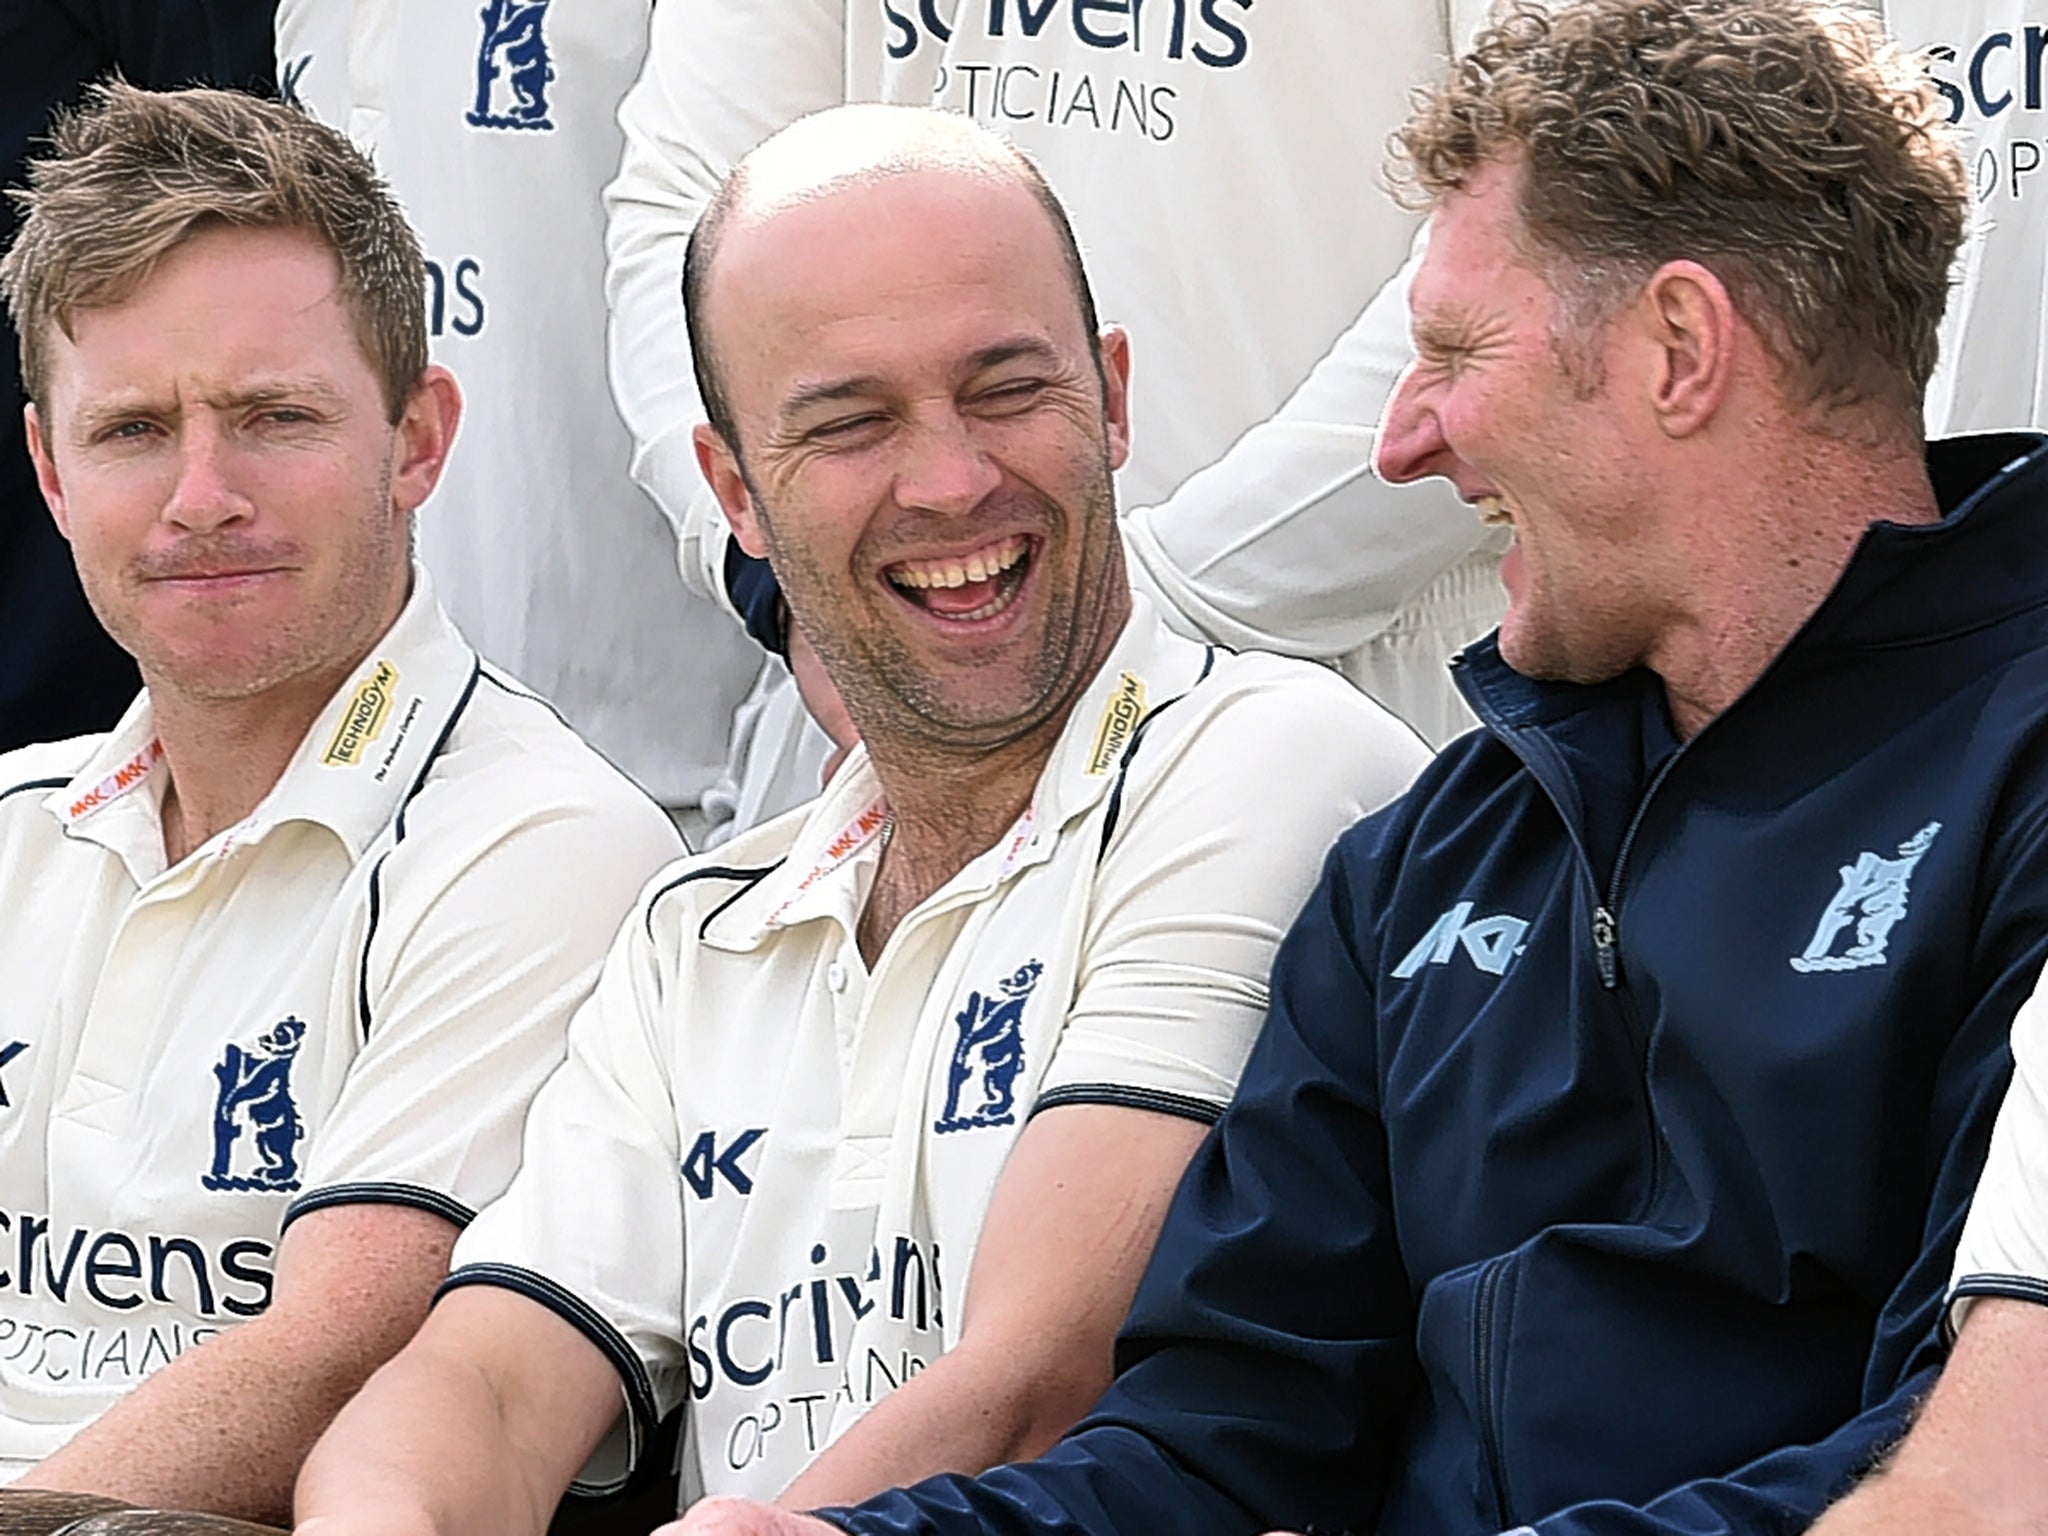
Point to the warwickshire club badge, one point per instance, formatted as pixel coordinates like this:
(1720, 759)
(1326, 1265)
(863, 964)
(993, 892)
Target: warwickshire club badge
(513, 70)
(981, 1079)
(256, 1127)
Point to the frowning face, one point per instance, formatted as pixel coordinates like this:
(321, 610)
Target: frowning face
(217, 449)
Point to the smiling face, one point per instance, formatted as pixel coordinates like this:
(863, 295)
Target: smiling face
(925, 449)
(1491, 405)
(216, 448)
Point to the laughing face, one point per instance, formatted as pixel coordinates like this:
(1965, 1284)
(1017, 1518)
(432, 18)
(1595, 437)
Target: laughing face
(1491, 405)
(925, 451)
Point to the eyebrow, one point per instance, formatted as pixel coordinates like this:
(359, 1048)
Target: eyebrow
(91, 418)
(830, 391)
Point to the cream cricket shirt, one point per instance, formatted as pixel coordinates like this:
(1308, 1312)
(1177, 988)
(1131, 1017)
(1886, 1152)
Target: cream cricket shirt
(757, 1182)
(351, 996)
(2004, 1247)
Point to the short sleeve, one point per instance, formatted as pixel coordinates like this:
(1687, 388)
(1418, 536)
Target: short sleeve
(1210, 861)
(2004, 1247)
(592, 1226)
(482, 941)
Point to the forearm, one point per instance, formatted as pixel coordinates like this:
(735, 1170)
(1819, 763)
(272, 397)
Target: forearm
(968, 1411)
(221, 1428)
(423, 1449)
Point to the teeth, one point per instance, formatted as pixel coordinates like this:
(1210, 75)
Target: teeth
(1493, 510)
(979, 566)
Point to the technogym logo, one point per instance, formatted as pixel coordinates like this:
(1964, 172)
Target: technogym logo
(363, 719)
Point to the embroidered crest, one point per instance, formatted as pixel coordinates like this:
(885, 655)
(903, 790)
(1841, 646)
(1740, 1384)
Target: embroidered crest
(513, 69)
(256, 1127)
(1872, 898)
(981, 1079)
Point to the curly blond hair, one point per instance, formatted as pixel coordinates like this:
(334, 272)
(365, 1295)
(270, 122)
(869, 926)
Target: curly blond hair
(133, 173)
(1789, 147)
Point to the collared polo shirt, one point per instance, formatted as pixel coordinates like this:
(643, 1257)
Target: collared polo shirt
(351, 996)
(757, 1182)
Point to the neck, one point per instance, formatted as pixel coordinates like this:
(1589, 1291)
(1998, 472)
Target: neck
(1767, 552)
(945, 810)
(224, 756)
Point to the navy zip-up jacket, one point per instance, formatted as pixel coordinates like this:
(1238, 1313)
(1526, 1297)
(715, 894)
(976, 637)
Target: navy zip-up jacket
(1601, 1163)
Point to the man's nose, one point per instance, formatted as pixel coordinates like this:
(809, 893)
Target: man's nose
(1411, 441)
(207, 494)
(945, 469)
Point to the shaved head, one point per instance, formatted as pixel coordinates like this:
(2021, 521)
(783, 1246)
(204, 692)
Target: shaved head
(834, 151)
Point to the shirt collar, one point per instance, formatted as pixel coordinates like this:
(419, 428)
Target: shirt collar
(351, 774)
(832, 860)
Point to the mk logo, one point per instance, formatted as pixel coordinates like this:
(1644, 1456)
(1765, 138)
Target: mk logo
(8, 1052)
(288, 81)
(1492, 942)
(706, 1165)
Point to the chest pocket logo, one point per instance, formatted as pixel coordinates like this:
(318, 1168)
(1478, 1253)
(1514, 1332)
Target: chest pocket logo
(513, 70)
(256, 1127)
(981, 1079)
(1491, 942)
(1872, 899)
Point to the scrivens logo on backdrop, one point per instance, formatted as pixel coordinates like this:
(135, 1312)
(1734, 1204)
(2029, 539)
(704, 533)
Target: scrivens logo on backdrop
(807, 1327)
(216, 1282)
(1120, 81)
(1984, 84)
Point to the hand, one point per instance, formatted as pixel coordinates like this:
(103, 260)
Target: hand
(743, 1517)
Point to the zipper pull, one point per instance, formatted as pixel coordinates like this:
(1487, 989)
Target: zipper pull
(1603, 948)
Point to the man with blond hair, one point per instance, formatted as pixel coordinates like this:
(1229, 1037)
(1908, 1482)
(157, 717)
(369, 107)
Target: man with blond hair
(1600, 1165)
(862, 1141)
(281, 976)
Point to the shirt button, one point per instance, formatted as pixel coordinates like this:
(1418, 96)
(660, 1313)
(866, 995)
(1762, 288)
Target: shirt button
(835, 976)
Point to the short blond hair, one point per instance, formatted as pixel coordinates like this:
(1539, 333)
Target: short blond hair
(1789, 147)
(132, 174)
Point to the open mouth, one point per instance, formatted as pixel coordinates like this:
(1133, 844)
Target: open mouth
(1494, 511)
(967, 588)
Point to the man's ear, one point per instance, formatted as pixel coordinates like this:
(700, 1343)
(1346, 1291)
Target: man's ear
(1113, 346)
(46, 470)
(426, 431)
(721, 467)
(1694, 326)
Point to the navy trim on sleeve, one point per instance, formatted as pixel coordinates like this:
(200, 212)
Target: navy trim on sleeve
(379, 1192)
(2012, 1287)
(578, 1314)
(1124, 1096)
(377, 874)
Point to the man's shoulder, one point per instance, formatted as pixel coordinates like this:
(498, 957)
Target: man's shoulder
(510, 766)
(1269, 712)
(42, 766)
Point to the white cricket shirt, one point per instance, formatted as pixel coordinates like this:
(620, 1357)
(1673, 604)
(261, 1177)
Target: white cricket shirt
(349, 997)
(496, 126)
(757, 1182)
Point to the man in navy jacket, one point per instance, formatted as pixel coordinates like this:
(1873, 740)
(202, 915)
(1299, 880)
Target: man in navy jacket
(1600, 1166)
